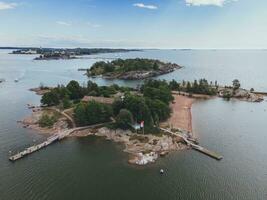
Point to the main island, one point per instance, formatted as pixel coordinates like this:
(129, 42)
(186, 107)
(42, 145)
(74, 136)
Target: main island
(151, 120)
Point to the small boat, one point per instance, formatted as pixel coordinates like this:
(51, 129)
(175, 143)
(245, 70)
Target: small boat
(16, 80)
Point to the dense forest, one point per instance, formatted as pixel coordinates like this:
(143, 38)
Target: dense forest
(127, 65)
(150, 105)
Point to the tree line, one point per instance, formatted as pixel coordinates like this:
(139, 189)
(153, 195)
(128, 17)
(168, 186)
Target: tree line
(201, 86)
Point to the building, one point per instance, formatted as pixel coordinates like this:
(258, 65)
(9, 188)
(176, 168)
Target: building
(104, 100)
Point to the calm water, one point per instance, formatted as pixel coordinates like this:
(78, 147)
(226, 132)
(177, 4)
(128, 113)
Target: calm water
(92, 168)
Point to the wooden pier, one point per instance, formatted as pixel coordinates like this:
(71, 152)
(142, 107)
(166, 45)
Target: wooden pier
(58, 136)
(195, 146)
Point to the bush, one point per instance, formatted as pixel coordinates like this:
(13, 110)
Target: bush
(66, 103)
(47, 121)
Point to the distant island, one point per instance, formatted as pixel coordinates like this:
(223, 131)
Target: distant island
(131, 69)
(62, 53)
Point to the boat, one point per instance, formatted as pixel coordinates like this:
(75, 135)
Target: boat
(16, 80)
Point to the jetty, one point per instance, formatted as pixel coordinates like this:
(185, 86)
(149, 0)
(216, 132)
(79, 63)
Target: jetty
(260, 93)
(195, 146)
(57, 137)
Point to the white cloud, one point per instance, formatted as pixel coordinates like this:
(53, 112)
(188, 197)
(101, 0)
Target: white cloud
(94, 25)
(141, 5)
(63, 23)
(6, 6)
(219, 3)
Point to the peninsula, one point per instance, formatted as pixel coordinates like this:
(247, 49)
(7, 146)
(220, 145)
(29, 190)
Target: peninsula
(131, 69)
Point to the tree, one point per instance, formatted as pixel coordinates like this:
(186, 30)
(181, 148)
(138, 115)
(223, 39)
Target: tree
(74, 89)
(92, 87)
(66, 103)
(117, 106)
(236, 84)
(138, 107)
(174, 85)
(80, 114)
(50, 98)
(160, 111)
(124, 119)
(188, 87)
(156, 89)
(92, 113)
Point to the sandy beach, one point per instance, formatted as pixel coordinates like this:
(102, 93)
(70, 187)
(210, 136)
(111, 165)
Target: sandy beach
(181, 113)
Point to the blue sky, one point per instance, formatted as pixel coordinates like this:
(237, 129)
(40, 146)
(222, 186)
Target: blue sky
(134, 23)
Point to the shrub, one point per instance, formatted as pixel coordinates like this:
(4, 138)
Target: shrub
(47, 121)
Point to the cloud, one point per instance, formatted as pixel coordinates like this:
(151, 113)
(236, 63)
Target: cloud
(7, 6)
(219, 3)
(141, 5)
(94, 25)
(63, 23)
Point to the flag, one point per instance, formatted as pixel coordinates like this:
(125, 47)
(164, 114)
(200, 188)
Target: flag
(142, 124)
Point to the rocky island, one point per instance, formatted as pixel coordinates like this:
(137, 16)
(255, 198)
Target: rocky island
(150, 121)
(131, 69)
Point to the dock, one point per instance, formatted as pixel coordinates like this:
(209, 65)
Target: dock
(260, 93)
(195, 146)
(58, 136)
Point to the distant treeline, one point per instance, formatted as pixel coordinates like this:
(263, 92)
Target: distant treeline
(74, 51)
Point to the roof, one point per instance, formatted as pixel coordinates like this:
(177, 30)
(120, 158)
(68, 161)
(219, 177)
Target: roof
(104, 100)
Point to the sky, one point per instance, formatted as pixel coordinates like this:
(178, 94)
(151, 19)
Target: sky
(200, 24)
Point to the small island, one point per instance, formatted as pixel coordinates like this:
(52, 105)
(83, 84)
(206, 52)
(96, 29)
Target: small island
(131, 69)
(150, 121)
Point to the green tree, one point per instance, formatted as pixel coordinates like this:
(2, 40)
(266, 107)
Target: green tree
(66, 103)
(174, 85)
(50, 99)
(160, 111)
(92, 113)
(236, 84)
(74, 89)
(137, 106)
(124, 119)
(80, 114)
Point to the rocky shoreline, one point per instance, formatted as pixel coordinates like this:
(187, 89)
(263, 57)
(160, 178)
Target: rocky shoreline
(142, 149)
(138, 75)
(241, 94)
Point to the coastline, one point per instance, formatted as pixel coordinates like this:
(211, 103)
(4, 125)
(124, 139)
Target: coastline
(181, 117)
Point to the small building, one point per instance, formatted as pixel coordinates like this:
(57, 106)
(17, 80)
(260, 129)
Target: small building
(103, 100)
